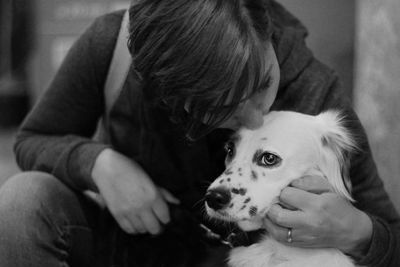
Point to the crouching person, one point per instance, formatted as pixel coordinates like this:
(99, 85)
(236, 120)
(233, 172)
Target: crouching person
(200, 70)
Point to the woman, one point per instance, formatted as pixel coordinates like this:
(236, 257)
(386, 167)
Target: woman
(200, 68)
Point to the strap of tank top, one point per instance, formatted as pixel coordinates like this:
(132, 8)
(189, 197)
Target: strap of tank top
(119, 66)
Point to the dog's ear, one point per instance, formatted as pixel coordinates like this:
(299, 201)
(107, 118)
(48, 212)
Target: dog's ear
(336, 145)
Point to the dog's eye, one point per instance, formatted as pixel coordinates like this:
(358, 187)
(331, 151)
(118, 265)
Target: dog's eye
(269, 159)
(229, 148)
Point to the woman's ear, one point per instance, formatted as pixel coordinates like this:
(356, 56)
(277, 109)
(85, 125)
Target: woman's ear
(336, 144)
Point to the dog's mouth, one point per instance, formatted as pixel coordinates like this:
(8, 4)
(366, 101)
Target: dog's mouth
(221, 214)
(246, 223)
(247, 214)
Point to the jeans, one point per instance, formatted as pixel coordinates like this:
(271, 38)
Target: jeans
(45, 223)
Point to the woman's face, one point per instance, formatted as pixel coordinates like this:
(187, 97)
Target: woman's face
(250, 113)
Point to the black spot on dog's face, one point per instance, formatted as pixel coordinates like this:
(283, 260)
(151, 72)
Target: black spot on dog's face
(253, 211)
(242, 191)
(229, 179)
(243, 207)
(239, 191)
(230, 148)
(231, 205)
(257, 155)
(324, 141)
(254, 175)
(228, 171)
(221, 181)
(247, 200)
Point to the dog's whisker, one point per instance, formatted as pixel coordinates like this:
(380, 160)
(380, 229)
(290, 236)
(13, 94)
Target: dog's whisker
(200, 201)
(203, 213)
(205, 184)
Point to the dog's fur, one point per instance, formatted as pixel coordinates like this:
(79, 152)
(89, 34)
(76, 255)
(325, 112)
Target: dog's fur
(304, 145)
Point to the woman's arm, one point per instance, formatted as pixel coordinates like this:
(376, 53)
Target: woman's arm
(56, 135)
(371, 197)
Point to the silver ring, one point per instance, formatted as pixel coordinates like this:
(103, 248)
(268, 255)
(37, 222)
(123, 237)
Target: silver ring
(289, 235)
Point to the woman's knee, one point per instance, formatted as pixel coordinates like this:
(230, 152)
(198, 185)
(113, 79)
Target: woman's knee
(44, 218)
(32, 198)
(31, 190)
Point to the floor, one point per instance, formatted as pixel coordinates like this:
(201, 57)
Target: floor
(8, 167)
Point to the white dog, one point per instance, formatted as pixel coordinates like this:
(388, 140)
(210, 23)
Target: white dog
(260, 163)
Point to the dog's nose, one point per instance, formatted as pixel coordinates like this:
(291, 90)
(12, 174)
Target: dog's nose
(218, 198)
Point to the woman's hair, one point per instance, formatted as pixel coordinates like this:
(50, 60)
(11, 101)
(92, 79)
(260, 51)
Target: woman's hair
(197, 54)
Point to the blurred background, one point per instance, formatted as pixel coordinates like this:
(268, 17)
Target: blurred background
(360, 39)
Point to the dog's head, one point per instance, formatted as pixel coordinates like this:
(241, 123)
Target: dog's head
(260, 163)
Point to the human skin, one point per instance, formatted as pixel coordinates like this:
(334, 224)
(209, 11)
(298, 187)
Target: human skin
(318, 218)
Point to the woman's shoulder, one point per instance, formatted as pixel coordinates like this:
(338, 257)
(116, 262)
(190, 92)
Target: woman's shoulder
(95, 47)
(104, 31)
(282, 19)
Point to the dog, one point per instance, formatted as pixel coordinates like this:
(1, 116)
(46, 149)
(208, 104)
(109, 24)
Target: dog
(262, 162)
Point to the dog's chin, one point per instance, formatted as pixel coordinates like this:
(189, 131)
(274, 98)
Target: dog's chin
(220, 215)
(245, 224)
(250, 225)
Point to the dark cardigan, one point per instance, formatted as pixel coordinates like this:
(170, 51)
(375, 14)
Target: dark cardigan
(56, 135)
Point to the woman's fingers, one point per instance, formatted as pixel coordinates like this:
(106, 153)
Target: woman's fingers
(279, 233)
(150, 222)
(126, 226)
(284, 217)
(168, 196)
(313, 184)
(131, 225)
(282, 234)
(297, 237)
(149, 219)
(297, 198)
(161, 210)
(144, 222)
(137, 224)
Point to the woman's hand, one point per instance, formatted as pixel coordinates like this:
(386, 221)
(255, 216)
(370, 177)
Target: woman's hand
(137, 204)
(318, 218)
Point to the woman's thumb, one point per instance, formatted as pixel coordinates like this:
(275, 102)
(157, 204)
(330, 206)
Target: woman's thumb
(169, 197)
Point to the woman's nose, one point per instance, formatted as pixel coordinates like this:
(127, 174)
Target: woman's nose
(250, 116)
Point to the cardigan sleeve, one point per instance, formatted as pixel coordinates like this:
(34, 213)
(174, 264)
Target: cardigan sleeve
(369, 192)
(371, 197)
(56, 135)
(309, 86)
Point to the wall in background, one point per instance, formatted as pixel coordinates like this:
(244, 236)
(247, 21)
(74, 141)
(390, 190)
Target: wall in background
(16, 47)
(372, 28)
(330, 24)
(377, 85)
(59, 24)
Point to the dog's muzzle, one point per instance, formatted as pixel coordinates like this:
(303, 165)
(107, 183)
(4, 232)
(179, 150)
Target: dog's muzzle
(218, 198)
